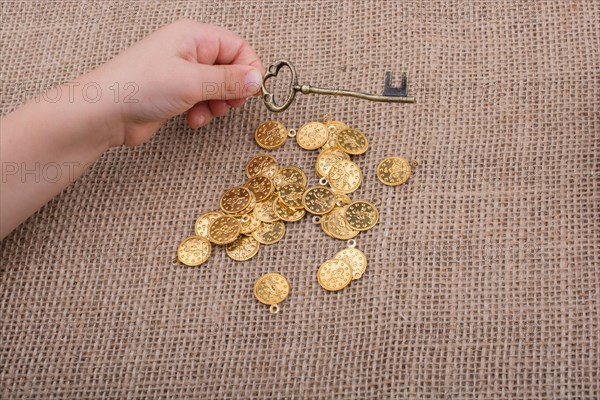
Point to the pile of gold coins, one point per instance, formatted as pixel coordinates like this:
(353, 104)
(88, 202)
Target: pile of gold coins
(255, 213)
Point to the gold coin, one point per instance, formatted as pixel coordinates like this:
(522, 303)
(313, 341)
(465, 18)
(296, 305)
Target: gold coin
(352, 141)
(291, 195)
(318, 200)
(312, 135)
(243, 248)
(327, 158)
(249, 223)
(287, 214)
(271, 135)
(356, 259)
(269, 232)
(193, 251)
(203, 222)
(361, 215)
(333, 127)
(335, 225)
(271, 288)
(264, 210)
(236, 200)
(393, 171)
(342, 200)
(261, 186)
(224, 230)
(334, 275)
(345, 176)
(289, 174)
(261, 164)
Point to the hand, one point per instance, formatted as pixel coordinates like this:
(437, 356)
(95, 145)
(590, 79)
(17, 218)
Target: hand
(184, 66)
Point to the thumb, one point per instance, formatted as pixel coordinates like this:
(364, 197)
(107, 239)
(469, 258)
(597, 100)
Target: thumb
(226, 82)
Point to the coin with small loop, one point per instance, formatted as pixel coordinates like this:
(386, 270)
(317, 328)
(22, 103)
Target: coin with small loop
(261, 186)
(243, 248)
(345, 176)
(335, 225)
(312, 135)
(318, 200)
(291, 195)
(261, 164)
(361, 215)
(352, 141)
(204, 221)
(393, 171)
(271, 289)
(249, 223)
(355, 258)
(224, 230)
(287, 214)
(327, 158)
(334, 275)
(269, 232)
(264, 210)
(271, 135)
(342, 200)
(289, 174)
(236, 200)
(193, 251)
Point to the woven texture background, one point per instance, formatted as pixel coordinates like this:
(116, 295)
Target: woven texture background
(483, 277)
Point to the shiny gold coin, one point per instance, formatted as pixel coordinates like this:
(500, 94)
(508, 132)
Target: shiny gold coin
(236, 200)
(393, 171)
(335, 225)
(261, 186)
(224, 230)
(361, 215)
(318, 200)
(333, 127)
(345, 176)
(352, 141)
(342, 200)
(269, 232)
(193, 251)
(249, 223)
(327, 158)
(334, 275)
(243, 248)
(204, 221)
(291, 195)
(287, 214)
(271, 135)
(356, 259)
(261, 164)
(312, 135)
(264, 210)
(289, 174)
(271, 288)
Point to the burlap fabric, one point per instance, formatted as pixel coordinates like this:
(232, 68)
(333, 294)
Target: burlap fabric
(483, 277)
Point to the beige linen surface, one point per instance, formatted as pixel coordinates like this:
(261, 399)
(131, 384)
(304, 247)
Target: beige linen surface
(483, 277)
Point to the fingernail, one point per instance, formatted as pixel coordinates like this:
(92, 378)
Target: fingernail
(199, 121)
(253, 81)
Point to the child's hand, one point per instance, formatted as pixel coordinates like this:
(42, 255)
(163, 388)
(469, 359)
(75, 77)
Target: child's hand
(185, 66)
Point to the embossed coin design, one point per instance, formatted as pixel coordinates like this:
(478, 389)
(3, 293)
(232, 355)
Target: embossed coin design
(269, 232)
(352, 141)
(193, 251)
(261, 164)
(249, 223)
(393, 171)
(271, 289)
(236, 200)
(361, 215)
(345, 176)
(287, 214)
(261, 186)
(318, 200)
(204, 221)
(334, 275)
(289, 174)
(327, 158)
(224, 230)
(271, 135)
(356, 259)
(312, 135)
(264, 210)
(335, 225)
(291, 195)
(243, 248)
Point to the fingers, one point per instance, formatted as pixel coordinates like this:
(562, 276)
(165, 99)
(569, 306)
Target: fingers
(224, 82)
(199, 115)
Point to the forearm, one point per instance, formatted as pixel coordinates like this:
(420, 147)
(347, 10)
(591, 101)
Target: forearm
(48, 143)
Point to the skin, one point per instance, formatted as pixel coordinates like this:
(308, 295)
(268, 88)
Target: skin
(183, 67)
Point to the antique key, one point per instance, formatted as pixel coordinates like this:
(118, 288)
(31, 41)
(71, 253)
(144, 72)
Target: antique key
(390, 94)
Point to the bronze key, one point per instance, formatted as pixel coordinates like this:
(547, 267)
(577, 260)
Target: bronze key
(390, 94)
